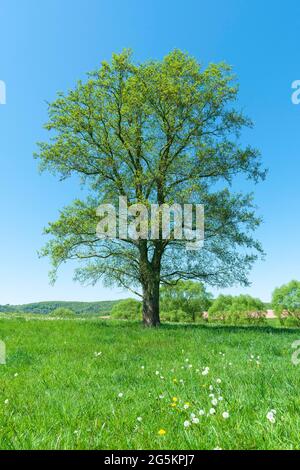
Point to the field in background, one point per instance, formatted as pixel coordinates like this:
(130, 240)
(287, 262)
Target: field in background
(107, 385)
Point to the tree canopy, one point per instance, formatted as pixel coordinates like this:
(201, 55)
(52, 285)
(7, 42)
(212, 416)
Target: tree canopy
(164, 131)
(187, 296)
(286, 300)
(235, 309)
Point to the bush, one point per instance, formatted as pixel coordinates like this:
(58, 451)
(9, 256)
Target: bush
(189, 297)
(286, 303)
(176, 316)
(128, 309)
(242, 309)
(63, 313)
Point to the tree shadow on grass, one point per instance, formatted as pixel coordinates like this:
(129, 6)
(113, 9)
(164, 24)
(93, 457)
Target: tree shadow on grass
(231, 328)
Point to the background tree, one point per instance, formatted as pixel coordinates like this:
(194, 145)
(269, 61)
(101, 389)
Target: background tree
(159, 132)
(128, 309)
(239, 309)
(286, 302)
(187, 296)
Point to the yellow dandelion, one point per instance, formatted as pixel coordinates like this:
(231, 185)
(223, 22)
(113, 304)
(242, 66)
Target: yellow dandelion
(175, 381)
(173, 405)
(162, 432)
(175, 399)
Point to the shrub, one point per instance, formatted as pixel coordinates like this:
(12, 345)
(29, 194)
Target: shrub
(242, 309)
(128, 309)
(286, 303)
(63, 313)
(186, 296)
(176, 316)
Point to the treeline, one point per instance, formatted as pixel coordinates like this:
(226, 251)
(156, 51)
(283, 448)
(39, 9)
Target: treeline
(190, 302)
(45, 308)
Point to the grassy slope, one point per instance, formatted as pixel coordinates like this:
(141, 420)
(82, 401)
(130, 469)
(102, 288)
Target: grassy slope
(88, 308)
(66, 398)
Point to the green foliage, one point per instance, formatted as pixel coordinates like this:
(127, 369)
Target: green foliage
(176, 316)
(63, 313)
(128, 309)
(286, 303)
(237, 310)
(186, 296)
(158, 132)
(84, 308)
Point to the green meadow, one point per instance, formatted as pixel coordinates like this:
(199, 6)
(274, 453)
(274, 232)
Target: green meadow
(95, 384)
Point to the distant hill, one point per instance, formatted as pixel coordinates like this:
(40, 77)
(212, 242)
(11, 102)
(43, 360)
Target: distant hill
(86, 308)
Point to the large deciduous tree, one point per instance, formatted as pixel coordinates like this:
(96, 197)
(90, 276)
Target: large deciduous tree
(159, 132)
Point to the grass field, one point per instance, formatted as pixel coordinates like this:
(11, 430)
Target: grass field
(58, 392)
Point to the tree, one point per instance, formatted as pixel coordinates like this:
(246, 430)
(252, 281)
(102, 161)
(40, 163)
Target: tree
(128, 309)
(63, 312)
(286, 301)
(187, 296)
(159, 132)
(239, 309)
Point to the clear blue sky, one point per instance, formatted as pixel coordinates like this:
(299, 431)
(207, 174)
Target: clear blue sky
(45, 46)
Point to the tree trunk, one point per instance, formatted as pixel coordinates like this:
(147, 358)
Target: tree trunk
(151, 302)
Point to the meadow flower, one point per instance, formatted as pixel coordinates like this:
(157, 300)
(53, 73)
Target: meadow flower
(212, 411)
(174, 399)
(218, 381)
(211, 395)
(161, 396)
(142, 367)
(201, 412)
(225, 415)
(271, 416)
(6, 402)
(218, 448)
(220, 398)
(205, 371)
(175, 381)
(181, 381)
(162, 377)
(211, 388)
(16, 374)
(195, 420)
(186, 406)
(186, 360)
(190, 366)
(214, 402)
(162, 432)
(193, 415)
(186, 424)
(120, 395)
(157, 372)
(139, 419)
(230, 363)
